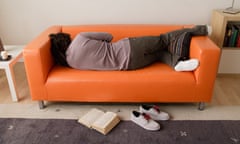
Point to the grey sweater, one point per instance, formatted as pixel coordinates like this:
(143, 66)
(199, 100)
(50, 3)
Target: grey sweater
(95, 51)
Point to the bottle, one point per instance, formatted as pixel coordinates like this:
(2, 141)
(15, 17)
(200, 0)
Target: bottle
(1, 46)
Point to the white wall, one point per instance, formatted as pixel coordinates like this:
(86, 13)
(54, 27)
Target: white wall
(22, 20)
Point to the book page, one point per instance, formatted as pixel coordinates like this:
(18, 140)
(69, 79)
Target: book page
(89, 118)
(103, 121)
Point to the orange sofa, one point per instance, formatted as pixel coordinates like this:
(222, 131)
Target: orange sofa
(154, 83)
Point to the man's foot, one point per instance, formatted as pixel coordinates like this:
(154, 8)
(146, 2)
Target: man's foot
(209, 30)
(187, 65)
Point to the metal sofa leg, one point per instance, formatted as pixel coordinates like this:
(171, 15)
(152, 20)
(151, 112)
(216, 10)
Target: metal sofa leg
(41, 104)
(201, 106)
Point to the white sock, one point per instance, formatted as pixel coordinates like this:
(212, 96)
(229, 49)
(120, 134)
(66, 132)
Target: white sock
(187, 65)
(209, 29)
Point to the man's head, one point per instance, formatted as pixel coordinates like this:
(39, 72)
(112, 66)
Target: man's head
(59, 44)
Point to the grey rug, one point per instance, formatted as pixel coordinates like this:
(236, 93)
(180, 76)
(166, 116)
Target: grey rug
(52, 131)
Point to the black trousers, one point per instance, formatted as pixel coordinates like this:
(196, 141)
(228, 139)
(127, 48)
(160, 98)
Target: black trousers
(144, 51)
(149, 49)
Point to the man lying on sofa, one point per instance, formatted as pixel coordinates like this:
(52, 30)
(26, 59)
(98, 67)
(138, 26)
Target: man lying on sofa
(95, 51)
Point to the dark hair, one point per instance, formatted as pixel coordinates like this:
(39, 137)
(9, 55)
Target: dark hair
(59, 44)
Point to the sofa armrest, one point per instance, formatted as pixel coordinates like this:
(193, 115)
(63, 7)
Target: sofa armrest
(208, 54)
(38, 62)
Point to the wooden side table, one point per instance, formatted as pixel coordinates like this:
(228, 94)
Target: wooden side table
(16, 52)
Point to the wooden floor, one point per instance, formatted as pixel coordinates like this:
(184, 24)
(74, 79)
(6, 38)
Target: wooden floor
(226, 90)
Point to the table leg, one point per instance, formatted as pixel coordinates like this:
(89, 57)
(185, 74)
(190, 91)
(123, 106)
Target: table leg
(11, 82)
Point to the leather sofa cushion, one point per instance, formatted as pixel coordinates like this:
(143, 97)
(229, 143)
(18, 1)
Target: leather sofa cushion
(101, 85)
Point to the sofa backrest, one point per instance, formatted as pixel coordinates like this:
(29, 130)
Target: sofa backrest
(120, 31)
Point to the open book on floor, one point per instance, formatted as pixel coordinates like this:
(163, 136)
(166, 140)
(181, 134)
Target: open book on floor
(99, 120)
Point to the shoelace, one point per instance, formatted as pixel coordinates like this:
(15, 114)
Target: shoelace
(156, 108)
(146, 116)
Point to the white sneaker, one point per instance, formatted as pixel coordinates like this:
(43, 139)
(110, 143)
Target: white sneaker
(144, 121)
(154, 112)
(187, 65)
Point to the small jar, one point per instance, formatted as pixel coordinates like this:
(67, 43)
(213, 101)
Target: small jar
(4, 55)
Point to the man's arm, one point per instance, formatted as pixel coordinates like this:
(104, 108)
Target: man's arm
(98, 36)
